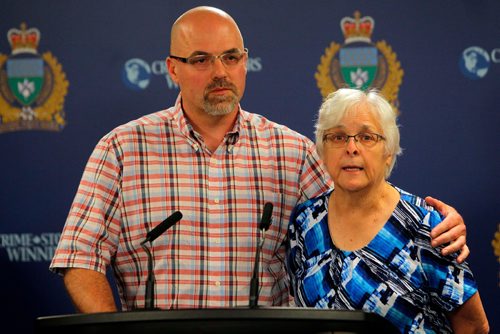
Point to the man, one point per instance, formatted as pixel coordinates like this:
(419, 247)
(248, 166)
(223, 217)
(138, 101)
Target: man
(209, 159)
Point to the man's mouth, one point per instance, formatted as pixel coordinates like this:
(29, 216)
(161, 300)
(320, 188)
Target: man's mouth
(219, 89)
(220, 86)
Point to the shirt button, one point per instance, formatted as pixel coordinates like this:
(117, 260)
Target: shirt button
(216, 201)
(217, 283)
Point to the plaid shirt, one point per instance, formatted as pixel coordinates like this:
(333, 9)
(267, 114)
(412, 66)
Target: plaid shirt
(143, 171)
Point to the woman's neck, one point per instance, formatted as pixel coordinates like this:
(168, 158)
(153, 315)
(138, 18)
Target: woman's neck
(365, 200)
(355, 218)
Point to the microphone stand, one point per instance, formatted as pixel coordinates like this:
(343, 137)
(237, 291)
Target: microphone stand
(265, 222)
(149, 303)
(254, 282)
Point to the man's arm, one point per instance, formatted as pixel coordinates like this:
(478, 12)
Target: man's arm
(451, 230)
(89, 290)
(469, 317)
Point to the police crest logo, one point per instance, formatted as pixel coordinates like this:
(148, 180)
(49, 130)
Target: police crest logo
(32, 86)
(360, 63)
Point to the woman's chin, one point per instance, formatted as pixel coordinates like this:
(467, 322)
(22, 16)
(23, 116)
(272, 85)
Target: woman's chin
(351, 187)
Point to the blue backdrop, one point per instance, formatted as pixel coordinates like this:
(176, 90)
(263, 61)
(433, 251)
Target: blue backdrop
(446, 89)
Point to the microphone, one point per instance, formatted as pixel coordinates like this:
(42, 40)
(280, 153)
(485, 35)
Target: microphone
(162, 227)
(265, 222)
(150, 237)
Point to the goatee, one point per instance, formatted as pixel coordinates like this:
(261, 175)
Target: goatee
(220, 105)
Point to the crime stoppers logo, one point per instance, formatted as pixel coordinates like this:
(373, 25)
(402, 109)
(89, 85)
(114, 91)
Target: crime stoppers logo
(32, 86)
(474, 62)
(29, 247)
(136, 74)
(360, 63)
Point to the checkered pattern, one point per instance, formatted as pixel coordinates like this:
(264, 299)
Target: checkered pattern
(143, 171)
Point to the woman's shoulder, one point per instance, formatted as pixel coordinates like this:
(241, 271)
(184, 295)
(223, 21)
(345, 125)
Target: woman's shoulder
(311, 210)
(414, 208)
(414, 200)
(317, 201)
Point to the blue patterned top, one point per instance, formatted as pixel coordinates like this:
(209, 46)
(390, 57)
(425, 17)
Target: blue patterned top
(398, 275)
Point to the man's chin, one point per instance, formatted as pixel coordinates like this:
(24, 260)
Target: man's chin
(220, 106)
(219, 109)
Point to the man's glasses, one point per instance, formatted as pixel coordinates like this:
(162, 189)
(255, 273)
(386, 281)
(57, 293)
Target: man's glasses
(338, 140)
(204, 62)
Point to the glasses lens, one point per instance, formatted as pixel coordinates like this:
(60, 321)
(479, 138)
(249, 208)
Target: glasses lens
(335, 139)
(203, 62)
(231, 58)
(200, 61)
(340, 140)
(367, 139)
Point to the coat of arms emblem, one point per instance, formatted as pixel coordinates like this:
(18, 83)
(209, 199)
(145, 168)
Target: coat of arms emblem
(360, 63)
(32, 86)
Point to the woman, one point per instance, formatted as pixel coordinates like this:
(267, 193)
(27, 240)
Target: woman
(366, 244)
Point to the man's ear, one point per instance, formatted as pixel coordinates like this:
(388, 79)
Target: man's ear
(172, 69)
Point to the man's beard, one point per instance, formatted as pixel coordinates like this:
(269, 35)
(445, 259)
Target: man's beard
(220, 105)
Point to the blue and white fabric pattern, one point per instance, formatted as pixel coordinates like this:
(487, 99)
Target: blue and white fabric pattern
(397, 275)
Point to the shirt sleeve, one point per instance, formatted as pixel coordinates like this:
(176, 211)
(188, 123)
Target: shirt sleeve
(450, 284)
(314, 179)
(90, 235)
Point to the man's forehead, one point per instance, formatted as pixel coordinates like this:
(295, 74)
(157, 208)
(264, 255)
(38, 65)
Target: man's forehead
(205, 31)
(214, 43)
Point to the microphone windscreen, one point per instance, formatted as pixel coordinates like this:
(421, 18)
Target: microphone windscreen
(163, 226)
(265, 222)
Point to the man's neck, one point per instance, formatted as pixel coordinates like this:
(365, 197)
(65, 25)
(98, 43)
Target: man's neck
(213, 129)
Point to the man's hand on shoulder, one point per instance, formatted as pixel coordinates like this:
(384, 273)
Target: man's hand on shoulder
(451, 230)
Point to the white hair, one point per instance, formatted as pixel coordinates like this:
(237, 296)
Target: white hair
(339, 103)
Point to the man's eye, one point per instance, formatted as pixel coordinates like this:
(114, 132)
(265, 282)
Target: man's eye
(199, 60)
(232, 57)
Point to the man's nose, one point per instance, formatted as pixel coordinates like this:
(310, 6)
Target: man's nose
(218, 67)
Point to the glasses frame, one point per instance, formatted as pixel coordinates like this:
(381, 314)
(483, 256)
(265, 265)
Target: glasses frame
(355, 137)
(213, 58)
